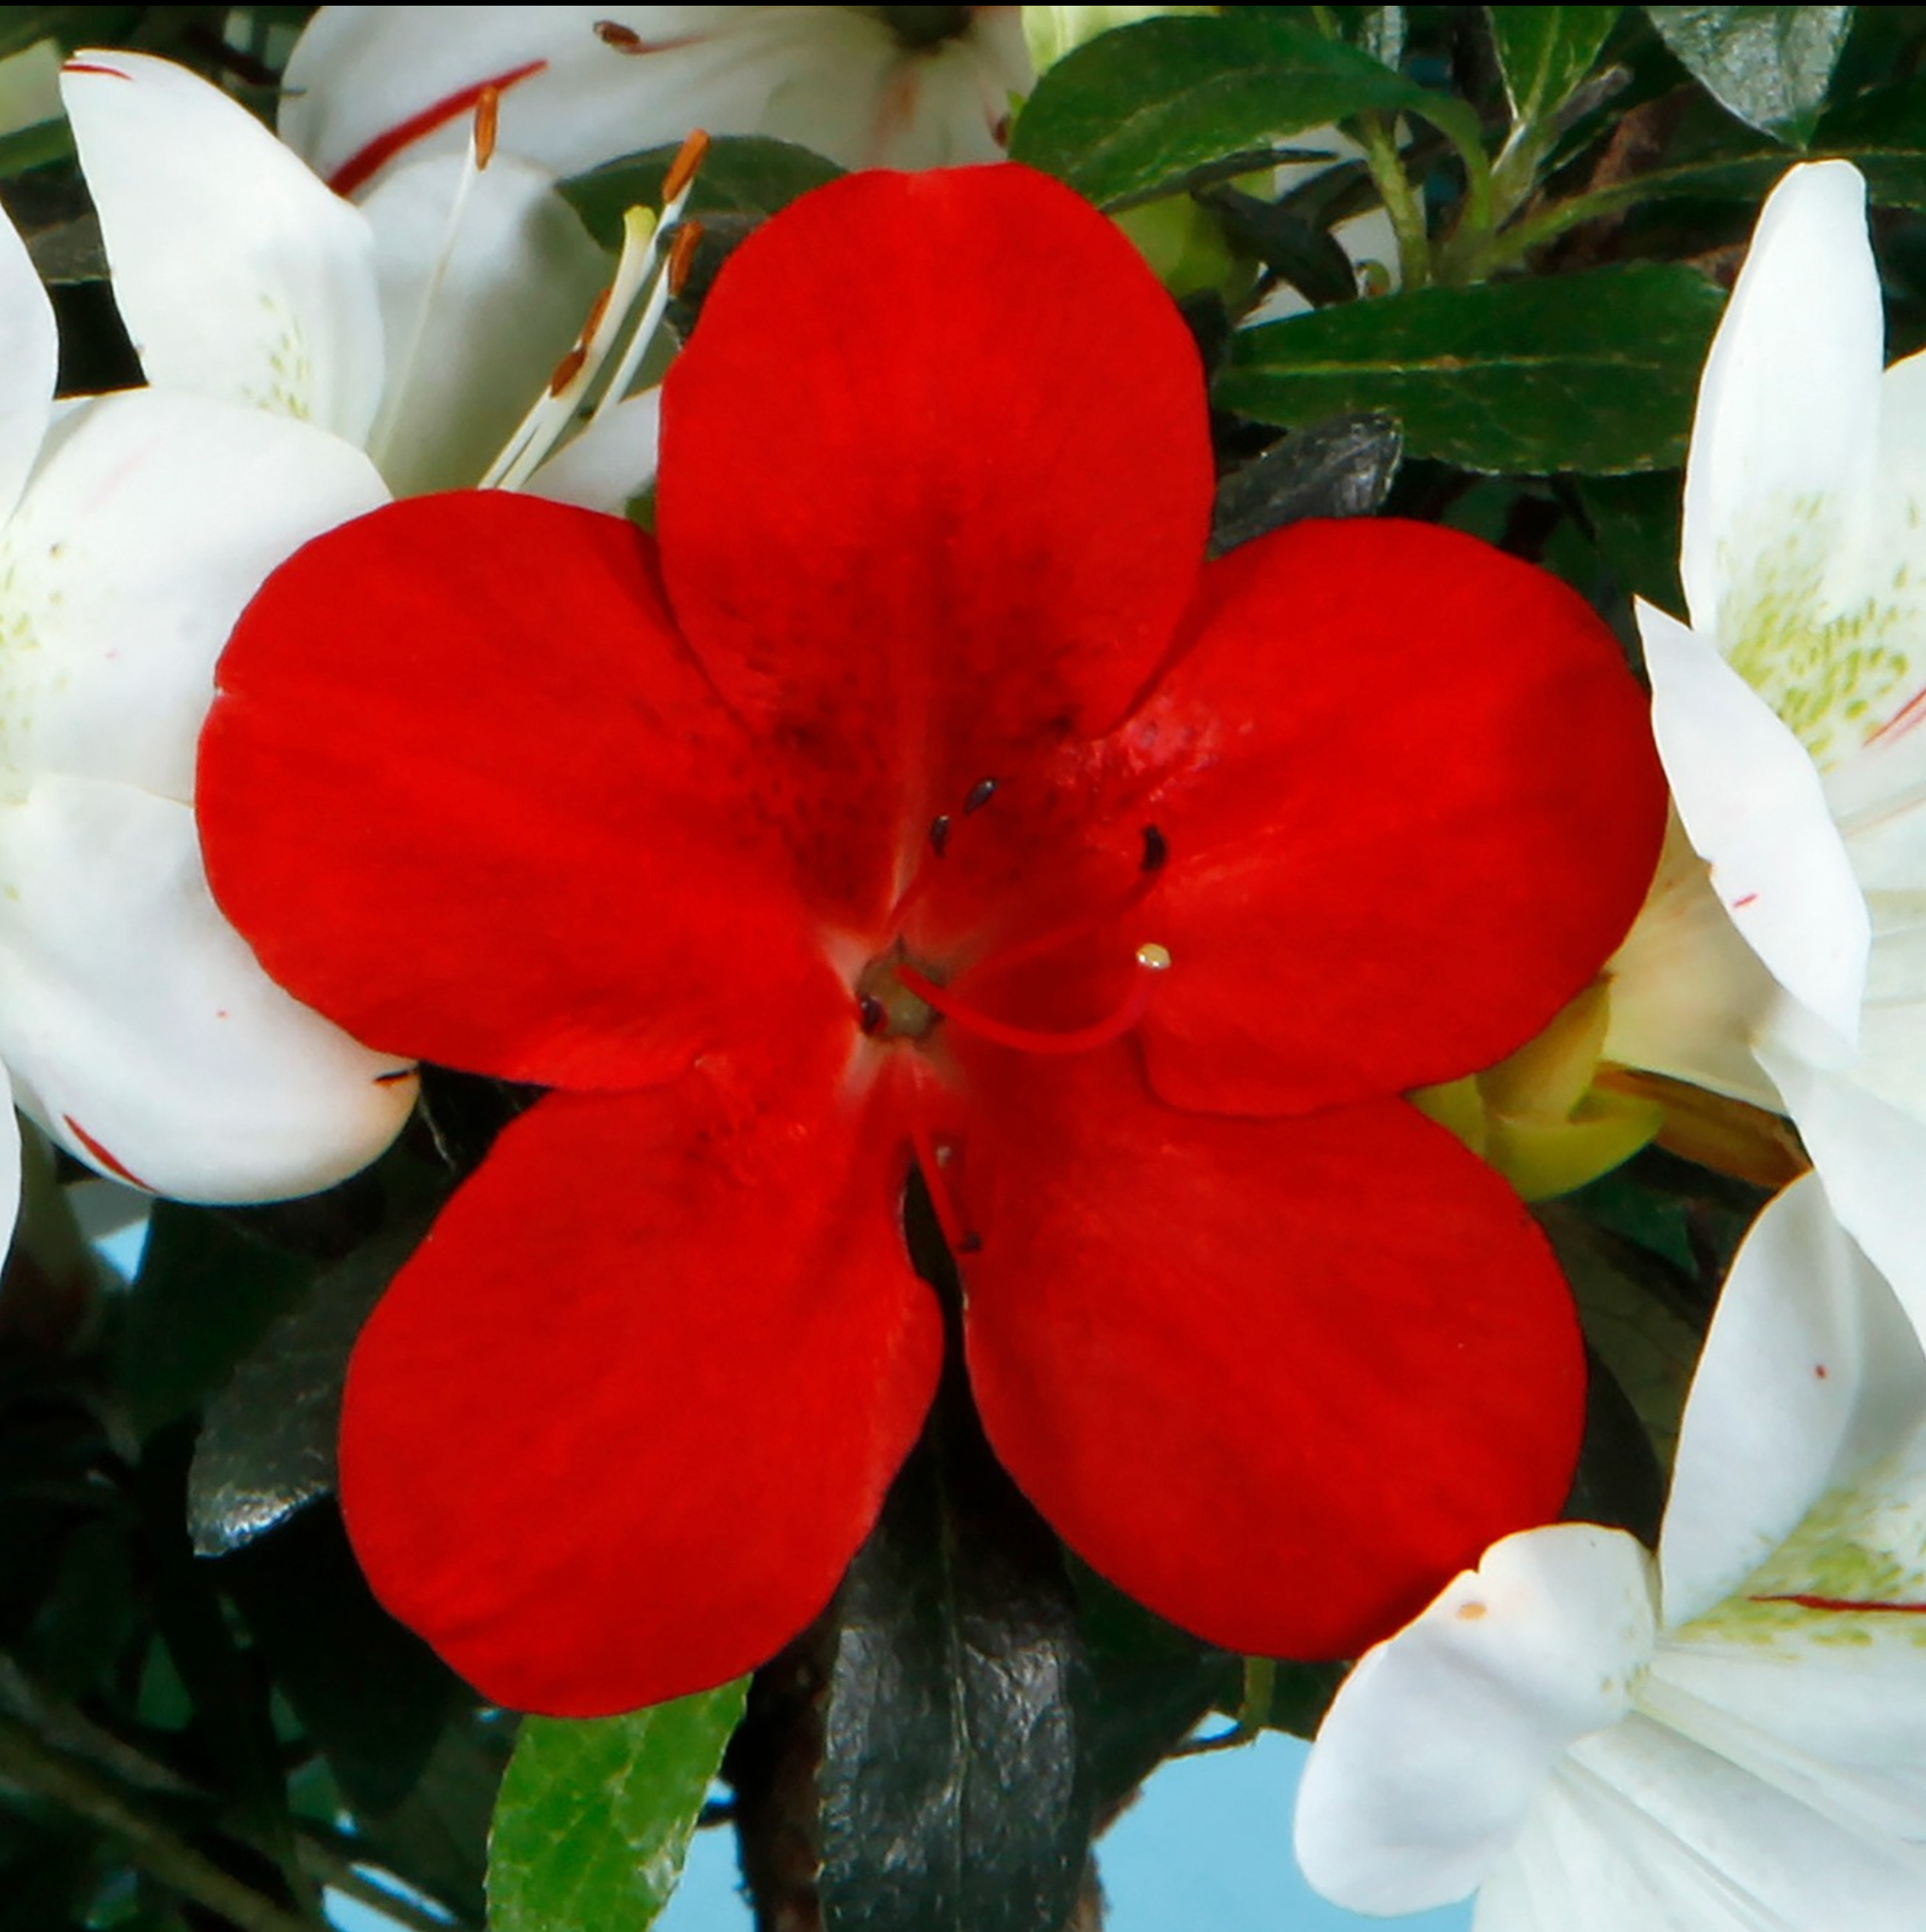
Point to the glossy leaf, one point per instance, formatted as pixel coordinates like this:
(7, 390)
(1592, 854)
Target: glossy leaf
(594, 1817)
(745, 175)
(1174, 103)
(1768, 65)
(1342, 467)
(203, 1297)
(1543, 53)
(1591, 372)
(952, 1791)
(267, 1447)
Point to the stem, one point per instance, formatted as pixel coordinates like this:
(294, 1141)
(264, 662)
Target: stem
(1401, 200)
(1260, 1681)
(30, 1765)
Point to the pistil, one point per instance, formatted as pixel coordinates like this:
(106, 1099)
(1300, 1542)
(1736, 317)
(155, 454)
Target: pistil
(1151, 960)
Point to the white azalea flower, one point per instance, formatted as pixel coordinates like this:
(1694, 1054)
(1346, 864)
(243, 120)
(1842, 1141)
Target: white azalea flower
(1730, 1739)
(418, 326)
(1786, 713)
(135, 1025)
(370, 86)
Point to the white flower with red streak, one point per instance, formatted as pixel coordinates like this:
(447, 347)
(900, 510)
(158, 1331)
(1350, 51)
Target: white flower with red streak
(134, 1024)
(370, 87)
(1788, 714)
(1725, 1739)
(418, 326)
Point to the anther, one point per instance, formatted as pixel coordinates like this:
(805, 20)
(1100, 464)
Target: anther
(939, 834)
(625, 40)
(567, 369)
(1155, 849)
(1154, 958)
(488, 117)
(682, 253)
(682, 169)
(870, 1013)
(979, 794)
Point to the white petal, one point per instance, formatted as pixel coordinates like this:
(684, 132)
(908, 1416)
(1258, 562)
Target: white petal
(1646, 1831)
(1810, 1371)
(1788, 405)
(1439, 1744)
(29, 353)
(368, 85)
(238, 274)
(140, 1031)
(151, 521)
(474, 328)
(9, 1165)
(1754, 808)
(610, 463)
(1688, 996)
(1871, 1156)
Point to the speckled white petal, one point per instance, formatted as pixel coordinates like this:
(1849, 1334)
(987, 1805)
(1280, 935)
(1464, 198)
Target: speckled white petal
(238, 274)
(1810, 1372)
(610, 462)
(137, 1027)
(29, 353)
(1753, 806)
(1428, 1763)
(1688, 995)
(476, 320)
(1788, 410)
(833, 77)
(150, 524)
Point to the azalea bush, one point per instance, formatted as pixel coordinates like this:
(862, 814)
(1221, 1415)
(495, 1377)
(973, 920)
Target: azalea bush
(901, 903)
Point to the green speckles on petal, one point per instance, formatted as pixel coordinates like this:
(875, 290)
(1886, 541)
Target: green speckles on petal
(1825, 633)
(289, 390)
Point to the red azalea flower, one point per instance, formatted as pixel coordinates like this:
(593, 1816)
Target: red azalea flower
(831, 834)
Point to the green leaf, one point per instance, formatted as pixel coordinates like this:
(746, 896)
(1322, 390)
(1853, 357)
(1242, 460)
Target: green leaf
(203, 1297)
(1768, 65)
(1172, 104)
(745, 175)
(952, 1789)
(594, 1817)
(1593, 372)
(1546, 51)
(72, 26)
(39, 145)
(267, 1445)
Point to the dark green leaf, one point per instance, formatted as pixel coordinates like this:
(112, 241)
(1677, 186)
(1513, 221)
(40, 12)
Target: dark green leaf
(594, 1817)
(435, 1839)
(1303, 252)
(1171, 104)
(1342, 467)
(1619, 1481)
(267, 1447)
(1768, 65)
(747, 175)
(71, 27)
(36, 146)
(1591, 372)
(1635, 524)
(372, 1696)
(203, 1297)
(1546, 51)
(952, 1789)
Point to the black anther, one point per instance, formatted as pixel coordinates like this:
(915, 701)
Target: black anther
(1155, 849)
(979, 794)
(869, 1013)
(939, 834)
(969, 1242)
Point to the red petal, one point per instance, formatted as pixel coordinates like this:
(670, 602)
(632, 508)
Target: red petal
(615, 1432)
(957, 515)
(464, 792)
(1411, 803)
(1277, 1380)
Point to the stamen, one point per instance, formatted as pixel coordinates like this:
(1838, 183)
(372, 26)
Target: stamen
(870, 1012)
(683, 254)
(1155, 854)
(1151, 960)
(939, 834)
(979, 794)
(360, 166)
(682, 169)
(625, 40)
(487, 119)
(1156, 850)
